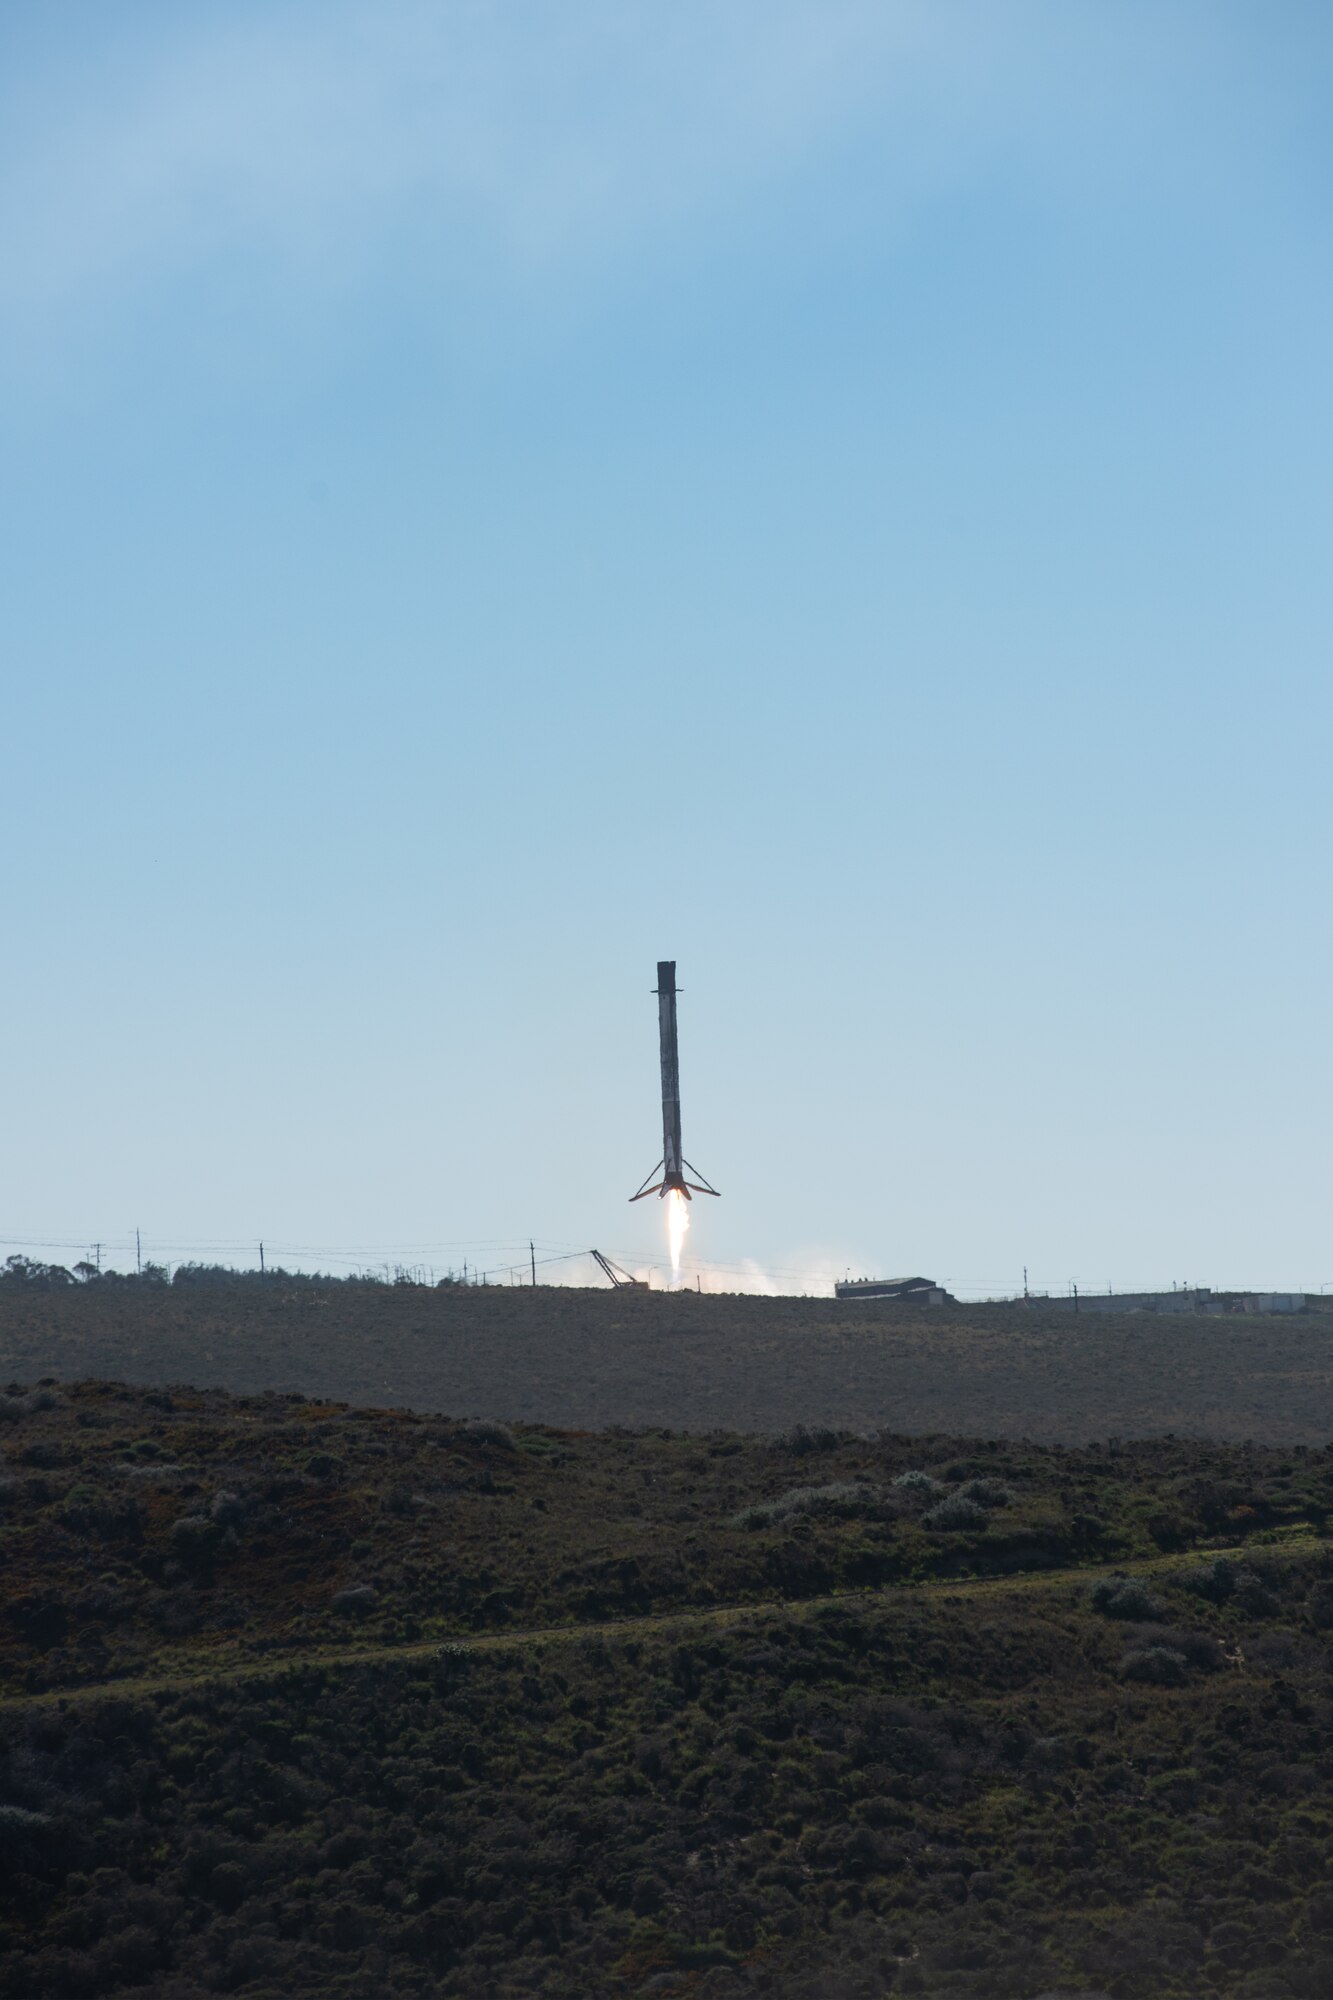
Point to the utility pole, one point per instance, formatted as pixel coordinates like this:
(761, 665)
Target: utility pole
(97, 1252)
(1025, 1281)
(138, 1256)
(261, 1260)
(532, 1253)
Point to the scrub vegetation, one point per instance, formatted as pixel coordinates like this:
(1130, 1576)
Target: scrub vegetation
(307, 1699)
(146, 1530)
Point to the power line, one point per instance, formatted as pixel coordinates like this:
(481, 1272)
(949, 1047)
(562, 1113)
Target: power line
(482, 1260)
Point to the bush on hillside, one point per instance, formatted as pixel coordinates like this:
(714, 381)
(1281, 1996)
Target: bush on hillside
(1215, 1581)
(803, 1438)
(483, 1431)
(1125, 1597)
(954, 1514)
(842, 1497)
(1159, 1666)
(918, 1482)
(358, 1600)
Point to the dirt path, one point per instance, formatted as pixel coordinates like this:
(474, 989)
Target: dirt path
(1288, 1543)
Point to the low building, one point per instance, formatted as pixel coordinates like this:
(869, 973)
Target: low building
(1191, 1299)
(1194, 1299)
(922, 1291)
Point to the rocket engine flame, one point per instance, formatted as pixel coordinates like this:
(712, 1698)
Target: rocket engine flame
(678, 1221)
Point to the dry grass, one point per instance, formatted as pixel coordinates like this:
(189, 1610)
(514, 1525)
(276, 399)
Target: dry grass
(586, 1360)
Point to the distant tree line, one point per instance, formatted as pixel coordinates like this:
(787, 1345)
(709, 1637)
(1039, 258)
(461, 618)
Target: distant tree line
(30, 1274)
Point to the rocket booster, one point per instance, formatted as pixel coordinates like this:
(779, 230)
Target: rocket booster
(673, 1164)
(666, 1030)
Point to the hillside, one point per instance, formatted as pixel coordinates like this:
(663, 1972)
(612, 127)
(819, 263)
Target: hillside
(309, 1699)
(588, 1359)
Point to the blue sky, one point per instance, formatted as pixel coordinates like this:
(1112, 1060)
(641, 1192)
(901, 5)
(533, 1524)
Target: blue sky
(835, 494)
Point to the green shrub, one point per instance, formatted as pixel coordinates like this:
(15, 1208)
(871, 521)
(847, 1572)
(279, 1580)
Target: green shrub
(1255, 1599)
(481, 1430)
(227, 1885)
(1169, 1532)
(14, 1404)
(841, 1497)
(802, 1438)
(1215, 1580)
(1159, 1666)
(953, 1514)
(917, 1482)
(1319, 1606)
(1124, 1597)
(1199, 1648)
(358, 1600)
(22, 1830)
